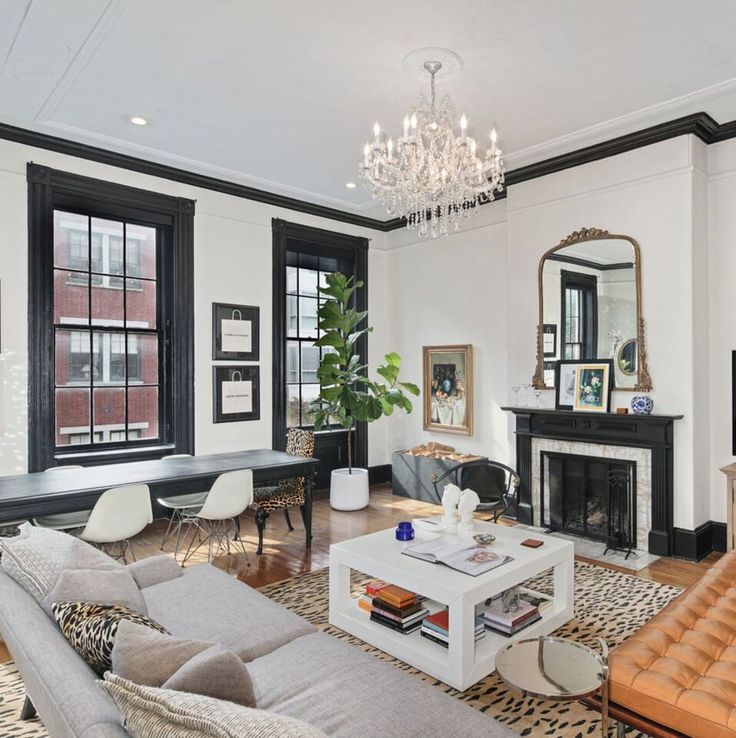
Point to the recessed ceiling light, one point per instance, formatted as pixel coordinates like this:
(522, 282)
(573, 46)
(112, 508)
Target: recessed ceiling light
(351, 185)
(137, 120)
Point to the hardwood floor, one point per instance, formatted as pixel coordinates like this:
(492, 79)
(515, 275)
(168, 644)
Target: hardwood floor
(284, 555)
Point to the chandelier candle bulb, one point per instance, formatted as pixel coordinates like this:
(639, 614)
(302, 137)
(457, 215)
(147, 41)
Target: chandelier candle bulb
(407, 123)
(376, 132)
(463, 124)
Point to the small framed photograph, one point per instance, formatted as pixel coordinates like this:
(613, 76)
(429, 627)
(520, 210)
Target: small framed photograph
(566, 376)
(549, 340)
(448, 389)
(593, 386)
(235, 393)
(235, 332)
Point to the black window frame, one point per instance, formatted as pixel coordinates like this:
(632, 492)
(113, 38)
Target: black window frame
(49, 190)
(317, 244)
(587, 287)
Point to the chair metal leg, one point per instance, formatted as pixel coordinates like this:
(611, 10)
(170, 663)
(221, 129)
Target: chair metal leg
(175, 516)
(261, 518)
(28, 711)
(288, 519)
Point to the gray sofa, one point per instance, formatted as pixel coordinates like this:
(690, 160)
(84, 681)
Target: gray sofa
(295, 669)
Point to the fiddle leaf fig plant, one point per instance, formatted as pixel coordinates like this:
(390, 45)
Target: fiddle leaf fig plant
(347, 395)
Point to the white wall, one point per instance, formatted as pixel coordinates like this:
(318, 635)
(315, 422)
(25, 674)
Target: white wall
(480, 287)
(232, 242)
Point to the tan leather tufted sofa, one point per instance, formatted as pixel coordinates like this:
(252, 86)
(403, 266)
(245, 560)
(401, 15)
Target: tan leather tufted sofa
(679, 670)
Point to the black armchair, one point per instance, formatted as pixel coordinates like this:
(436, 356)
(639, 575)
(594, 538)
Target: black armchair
(496, 484)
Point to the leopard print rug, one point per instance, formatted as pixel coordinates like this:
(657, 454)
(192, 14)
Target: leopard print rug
(607, 604)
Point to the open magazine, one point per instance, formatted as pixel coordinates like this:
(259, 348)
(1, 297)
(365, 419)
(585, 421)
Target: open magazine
(469, 559)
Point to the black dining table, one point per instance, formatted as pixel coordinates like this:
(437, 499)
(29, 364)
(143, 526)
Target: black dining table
(25, 496)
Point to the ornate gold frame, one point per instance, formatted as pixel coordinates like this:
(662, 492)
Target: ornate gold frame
(427, 351)
(644, 381)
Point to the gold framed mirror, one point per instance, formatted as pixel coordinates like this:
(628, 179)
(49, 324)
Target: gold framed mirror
(590, 307)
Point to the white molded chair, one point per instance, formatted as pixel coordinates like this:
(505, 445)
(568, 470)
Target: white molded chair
(178, 506)
(230, 496)
(119, 514)
(63, 521)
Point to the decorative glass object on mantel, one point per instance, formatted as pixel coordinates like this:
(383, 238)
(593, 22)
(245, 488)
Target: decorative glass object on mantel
(590, 308)
(434, 175)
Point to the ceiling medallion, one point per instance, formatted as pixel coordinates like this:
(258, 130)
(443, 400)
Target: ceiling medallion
(433, 175)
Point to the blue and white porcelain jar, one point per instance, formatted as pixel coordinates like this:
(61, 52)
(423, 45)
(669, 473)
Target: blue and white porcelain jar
(642, 404)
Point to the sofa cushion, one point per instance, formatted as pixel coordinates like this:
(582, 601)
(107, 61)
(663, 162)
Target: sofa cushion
(346, 692)
(679, 669)
(150, 712)
(37, 556)
(154, 570)
(209, 605)
(101, 586)
(146, 656)
(91, 628)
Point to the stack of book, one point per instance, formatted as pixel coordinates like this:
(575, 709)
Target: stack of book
(392, 606)
(436, 628)
(509, 623)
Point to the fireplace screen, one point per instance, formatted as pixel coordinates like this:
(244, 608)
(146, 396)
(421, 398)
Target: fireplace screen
(590, 497)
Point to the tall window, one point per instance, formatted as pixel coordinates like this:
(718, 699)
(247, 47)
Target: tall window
(111, 280)
(302, 356)
(579, 315)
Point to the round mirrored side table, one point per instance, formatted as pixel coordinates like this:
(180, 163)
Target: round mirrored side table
(552, 668)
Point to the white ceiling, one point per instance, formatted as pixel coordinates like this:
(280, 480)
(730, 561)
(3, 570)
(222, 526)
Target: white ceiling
(282, 94)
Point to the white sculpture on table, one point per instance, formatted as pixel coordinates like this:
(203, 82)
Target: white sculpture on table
(450, 499)
(469, 500)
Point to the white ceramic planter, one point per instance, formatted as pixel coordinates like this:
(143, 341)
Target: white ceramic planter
(349, 491)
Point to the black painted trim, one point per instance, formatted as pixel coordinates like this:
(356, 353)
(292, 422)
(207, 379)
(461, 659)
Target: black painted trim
(380, 474)
(49, 188)
(282, 232)
(701, 125)
(697, 544)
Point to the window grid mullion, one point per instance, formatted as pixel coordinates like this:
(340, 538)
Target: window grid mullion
(91, 335)
(125, 327)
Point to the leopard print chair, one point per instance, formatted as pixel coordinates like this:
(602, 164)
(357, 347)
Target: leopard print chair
(289, 493)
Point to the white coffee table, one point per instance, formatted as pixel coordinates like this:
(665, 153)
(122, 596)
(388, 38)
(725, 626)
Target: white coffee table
(465, 661)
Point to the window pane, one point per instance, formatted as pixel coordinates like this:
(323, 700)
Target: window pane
(308, 317)
(308, 282)
(292, 362)
(71, 240)
(107, 247)
(292, 405)
(140, 258)
(71, 297)
(292, 328)
(71, 357)
(310, 392)
(142, 358)
(108, 358)
(109, 411)
(107, 302)
(72, 416)
(142, 412)
(291, 283)
(141, 307)
(310, 363)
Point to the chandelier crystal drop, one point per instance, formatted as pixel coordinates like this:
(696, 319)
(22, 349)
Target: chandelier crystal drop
(434, 175)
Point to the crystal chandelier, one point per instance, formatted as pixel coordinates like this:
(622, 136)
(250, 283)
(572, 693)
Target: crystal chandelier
(431, 176)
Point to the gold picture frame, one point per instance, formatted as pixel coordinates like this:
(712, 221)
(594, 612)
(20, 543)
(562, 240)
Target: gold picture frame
(593, 386)
(448, 389)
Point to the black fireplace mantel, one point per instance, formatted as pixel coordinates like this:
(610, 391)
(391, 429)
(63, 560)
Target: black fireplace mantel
(653, 432)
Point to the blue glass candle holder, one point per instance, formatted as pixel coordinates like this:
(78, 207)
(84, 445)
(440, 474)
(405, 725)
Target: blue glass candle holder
(404, 531)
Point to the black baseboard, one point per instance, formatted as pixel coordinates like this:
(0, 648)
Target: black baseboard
(697, 544)
(380, 474)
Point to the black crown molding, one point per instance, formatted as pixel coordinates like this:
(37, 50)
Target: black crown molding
(701, 125)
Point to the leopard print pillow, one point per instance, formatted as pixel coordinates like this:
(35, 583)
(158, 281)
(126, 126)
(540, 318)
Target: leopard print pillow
(91, 629)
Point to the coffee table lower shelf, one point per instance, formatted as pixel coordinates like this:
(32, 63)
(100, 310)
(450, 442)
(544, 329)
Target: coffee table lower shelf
(432, 658)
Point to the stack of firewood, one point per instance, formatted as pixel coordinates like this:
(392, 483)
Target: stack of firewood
(433, 450)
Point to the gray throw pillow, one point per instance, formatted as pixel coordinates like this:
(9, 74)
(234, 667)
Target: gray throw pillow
(36, 558)
(151, 711)
(150, 658)
(154, 570)
(101, 586)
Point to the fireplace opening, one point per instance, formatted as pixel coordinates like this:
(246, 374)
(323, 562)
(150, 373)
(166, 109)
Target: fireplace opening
(590, 497)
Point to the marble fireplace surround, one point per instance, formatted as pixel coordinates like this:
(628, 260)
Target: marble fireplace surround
(641, 456)
(604, 433)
